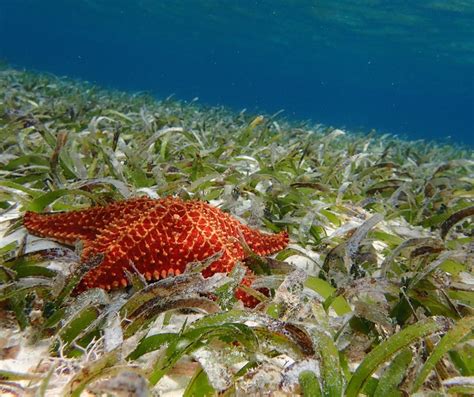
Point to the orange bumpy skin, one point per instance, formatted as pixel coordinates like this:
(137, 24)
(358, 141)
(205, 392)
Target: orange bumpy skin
(158, 236)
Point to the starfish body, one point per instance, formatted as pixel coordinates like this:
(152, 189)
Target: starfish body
(158, 237)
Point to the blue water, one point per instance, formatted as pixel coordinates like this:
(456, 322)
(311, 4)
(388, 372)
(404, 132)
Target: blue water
(373, 64)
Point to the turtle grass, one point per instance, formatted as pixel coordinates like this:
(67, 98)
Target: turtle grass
(374, 295)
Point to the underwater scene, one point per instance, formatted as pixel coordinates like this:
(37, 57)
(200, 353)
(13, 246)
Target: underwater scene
(236, 198)
(393, 66)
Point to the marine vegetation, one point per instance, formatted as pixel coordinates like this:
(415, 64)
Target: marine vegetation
(373, 295)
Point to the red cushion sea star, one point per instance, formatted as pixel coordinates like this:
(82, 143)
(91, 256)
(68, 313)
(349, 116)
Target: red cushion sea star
(158, 236)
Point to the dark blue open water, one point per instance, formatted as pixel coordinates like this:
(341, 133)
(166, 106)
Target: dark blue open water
(405, 67)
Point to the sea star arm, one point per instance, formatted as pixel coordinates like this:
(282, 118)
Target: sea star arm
(258, 242)
(264, 244)
(69, 227)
